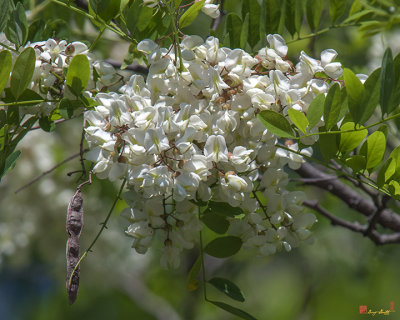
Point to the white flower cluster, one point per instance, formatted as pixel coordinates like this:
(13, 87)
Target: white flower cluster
(52, 59)
(189, 134)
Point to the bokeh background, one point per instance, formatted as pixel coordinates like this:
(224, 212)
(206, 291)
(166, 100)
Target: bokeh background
(326, 279)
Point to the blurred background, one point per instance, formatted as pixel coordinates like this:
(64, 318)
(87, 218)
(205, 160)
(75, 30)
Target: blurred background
(326, 279)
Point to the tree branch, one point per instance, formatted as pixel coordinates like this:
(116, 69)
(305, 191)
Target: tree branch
(383, 216)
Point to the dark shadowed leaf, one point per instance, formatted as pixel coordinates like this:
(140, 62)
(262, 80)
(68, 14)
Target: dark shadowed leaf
(236, 311)
(228, 287)
(223, 247)
(387, 81)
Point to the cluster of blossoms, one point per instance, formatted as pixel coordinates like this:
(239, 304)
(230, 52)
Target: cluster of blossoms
(52, 59)
(189, 134)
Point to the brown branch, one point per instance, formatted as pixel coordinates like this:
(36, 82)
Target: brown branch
(377, 213)
(367, 231)
(50, 170)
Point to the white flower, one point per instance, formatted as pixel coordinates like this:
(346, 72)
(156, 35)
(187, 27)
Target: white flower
(215, 149)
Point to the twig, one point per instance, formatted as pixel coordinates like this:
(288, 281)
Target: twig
(50, 170)
(354, 226)
(56, 122)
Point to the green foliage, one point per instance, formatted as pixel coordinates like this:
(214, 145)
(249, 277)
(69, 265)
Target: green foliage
(188, 17)
(191, 281)
(276, 123)
(237, 312)
(316, 110)
(332, 106)
(350, 140)
(227, 287)
(5, 68)
(78, 74)
(17, 26)
(105, 9)
(22, 72)
(299, 119)
(223, 247)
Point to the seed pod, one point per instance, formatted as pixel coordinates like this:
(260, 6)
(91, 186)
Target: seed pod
(74, 225)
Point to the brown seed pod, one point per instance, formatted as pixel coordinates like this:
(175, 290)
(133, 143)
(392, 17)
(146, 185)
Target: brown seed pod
(74, 225)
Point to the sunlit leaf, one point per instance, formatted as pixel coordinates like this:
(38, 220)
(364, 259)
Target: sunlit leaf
(374, 149)
(190, 14)
(332, 106)
(299, 119)
(316, 110)
(276, 123)
(5, 68)
(351, 140)
(78, 74)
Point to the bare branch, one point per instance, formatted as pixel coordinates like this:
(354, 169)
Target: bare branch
(387, 218)
(374, 235)
(50, 170)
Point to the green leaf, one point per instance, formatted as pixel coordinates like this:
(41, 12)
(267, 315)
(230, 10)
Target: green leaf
(105, 9)
(215, 222)
(22, 72)
(271, 12)
(5, 68)
(386, 172)
(191, 282)
(190, 14)
(328, 144)
(66, 107)
(10, 162)
(313, 12)
(299, 119)
(371, 95)
(350, 140)
(374, 149)
(356, 163)
(276, 123)
(336, 9)
(5, 11)
(253, 8)
(293, 15)
(355, 91)
(315, 110)
(78, 74)
(228, 287)
(17, 26)
(223, 209)
(332, 106)
(234, 27)
(177, 3)
(236, 311)
(395, 155)
(223, 247)
(46, 124)
(387, 82)
(394, 189)
(244, 32)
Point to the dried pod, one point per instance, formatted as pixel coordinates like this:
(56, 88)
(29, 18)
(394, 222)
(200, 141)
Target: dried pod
(74, 225)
